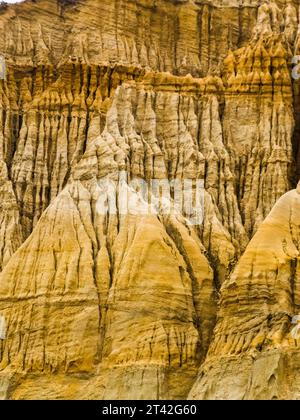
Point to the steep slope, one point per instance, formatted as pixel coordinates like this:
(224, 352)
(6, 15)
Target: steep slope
(88, 280)
(44, 32)
(253, 340)
(99, 303)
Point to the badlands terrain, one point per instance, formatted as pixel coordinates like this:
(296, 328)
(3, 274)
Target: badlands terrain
(116, 305)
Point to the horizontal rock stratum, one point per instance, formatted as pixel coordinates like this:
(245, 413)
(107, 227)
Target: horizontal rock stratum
(97, 303)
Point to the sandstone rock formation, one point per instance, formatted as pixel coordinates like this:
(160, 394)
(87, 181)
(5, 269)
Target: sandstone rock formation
(102, 303)
(253, 354)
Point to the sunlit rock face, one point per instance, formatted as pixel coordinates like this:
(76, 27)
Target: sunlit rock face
(98, 303)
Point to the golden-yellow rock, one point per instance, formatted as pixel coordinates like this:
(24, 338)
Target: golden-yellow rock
(253, 340)
(99, 303)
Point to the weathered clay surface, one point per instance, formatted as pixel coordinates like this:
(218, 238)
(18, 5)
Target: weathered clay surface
(112, 305)
(254, 354)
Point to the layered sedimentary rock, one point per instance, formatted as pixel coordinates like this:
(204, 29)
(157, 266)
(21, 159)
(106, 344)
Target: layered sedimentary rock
(255, 350)
(261, 158)
(125, 31)
(104, 263)
(98, 302)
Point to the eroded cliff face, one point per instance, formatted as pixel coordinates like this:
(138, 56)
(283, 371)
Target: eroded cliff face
(103, 304)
